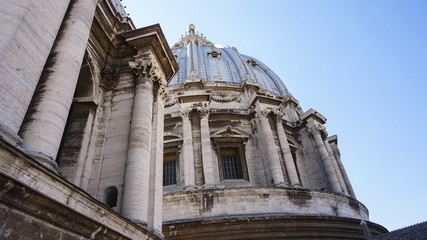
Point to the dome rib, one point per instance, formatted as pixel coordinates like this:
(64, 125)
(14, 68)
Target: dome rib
(198, 57)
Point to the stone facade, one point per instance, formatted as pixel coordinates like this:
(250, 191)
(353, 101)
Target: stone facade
(95, 116)
(228, 112)
(79, 91)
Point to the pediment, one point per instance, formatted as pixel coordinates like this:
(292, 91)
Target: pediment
(229, 131)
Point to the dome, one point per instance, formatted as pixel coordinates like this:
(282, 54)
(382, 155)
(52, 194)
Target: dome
(199, 58)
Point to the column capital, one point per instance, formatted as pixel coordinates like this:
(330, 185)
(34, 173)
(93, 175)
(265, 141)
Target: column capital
(186, 113)
(204, 112)
(263, 113)
(109, 76)
(146, 67)
(278, 114)
(318, 129)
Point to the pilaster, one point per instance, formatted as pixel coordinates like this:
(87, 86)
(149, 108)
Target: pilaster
(315, 131)
(268, 146)
(189, 175)
(287, 155)
(335, 165)
(208, 167)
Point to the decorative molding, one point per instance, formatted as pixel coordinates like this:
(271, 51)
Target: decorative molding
(278, 114)
(222, 97)
(252, 62)
(146, 67)
(186, 113)
(318, 129)
(204, 112)
(214, 54)
(109, 76)
(170, 101)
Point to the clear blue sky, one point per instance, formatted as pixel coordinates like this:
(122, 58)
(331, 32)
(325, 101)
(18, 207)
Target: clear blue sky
(362, 64)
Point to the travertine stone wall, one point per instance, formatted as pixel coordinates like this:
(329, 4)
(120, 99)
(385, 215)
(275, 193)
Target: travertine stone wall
(258, 201)
(112, 141)
(75, 161)
(29, 29)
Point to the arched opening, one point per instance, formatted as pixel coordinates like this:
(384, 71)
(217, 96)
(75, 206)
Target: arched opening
(84, 86)
(74, 157)
(110, 197)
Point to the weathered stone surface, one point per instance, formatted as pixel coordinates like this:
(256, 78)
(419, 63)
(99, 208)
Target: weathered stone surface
(28, 31)
(204, 204)
(270, 227)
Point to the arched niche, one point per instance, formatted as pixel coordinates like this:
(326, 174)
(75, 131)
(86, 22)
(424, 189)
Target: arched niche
(85, 83)
(75, 154)
(109, 197)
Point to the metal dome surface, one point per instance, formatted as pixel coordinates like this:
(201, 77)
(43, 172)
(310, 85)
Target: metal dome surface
(197, 57)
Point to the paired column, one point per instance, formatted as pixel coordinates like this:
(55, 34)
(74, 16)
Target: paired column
(286, 151)
(344, 173)
(267, 144)
(335, 165)
(208, 167)
(137, 173)
(187, 146)
(156, 165)
(44, 124)
(330, 173)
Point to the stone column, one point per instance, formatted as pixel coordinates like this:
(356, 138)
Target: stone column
(350, 190)
(335, 165)
(268, 147)
(286, 151)
(187, 145)
(137, 173)
(47, 115)
(208, 167)
(156, 164)
(330, 173)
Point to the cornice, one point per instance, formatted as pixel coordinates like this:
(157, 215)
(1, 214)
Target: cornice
(314, 114)
(151, 36)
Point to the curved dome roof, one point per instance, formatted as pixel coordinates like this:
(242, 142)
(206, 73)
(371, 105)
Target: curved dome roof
(198, 57)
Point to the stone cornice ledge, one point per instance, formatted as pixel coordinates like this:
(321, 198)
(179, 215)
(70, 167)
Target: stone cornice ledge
(311, 112)
(153, 36)
(21, 168)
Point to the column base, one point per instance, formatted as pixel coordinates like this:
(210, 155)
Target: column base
(281, 185)
(44, 160)
(190, 188)
(209, 186)
(9, 136)
(296, 185)
(140, 223)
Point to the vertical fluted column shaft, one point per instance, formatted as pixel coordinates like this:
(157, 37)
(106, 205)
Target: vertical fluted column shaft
(47, 115)
(189, 176)
(336, 168)
(326, 162)
(287, 155)
(266, 141)
(208, 167)
(137, 173)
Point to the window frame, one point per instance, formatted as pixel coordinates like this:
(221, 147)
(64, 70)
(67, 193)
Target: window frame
(240, 160)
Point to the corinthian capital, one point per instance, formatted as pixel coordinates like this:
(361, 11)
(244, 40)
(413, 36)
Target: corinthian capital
(278, 114)
(204, 112)
(145, 66)
(317, 129)
(264, 113)
(186, 113)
